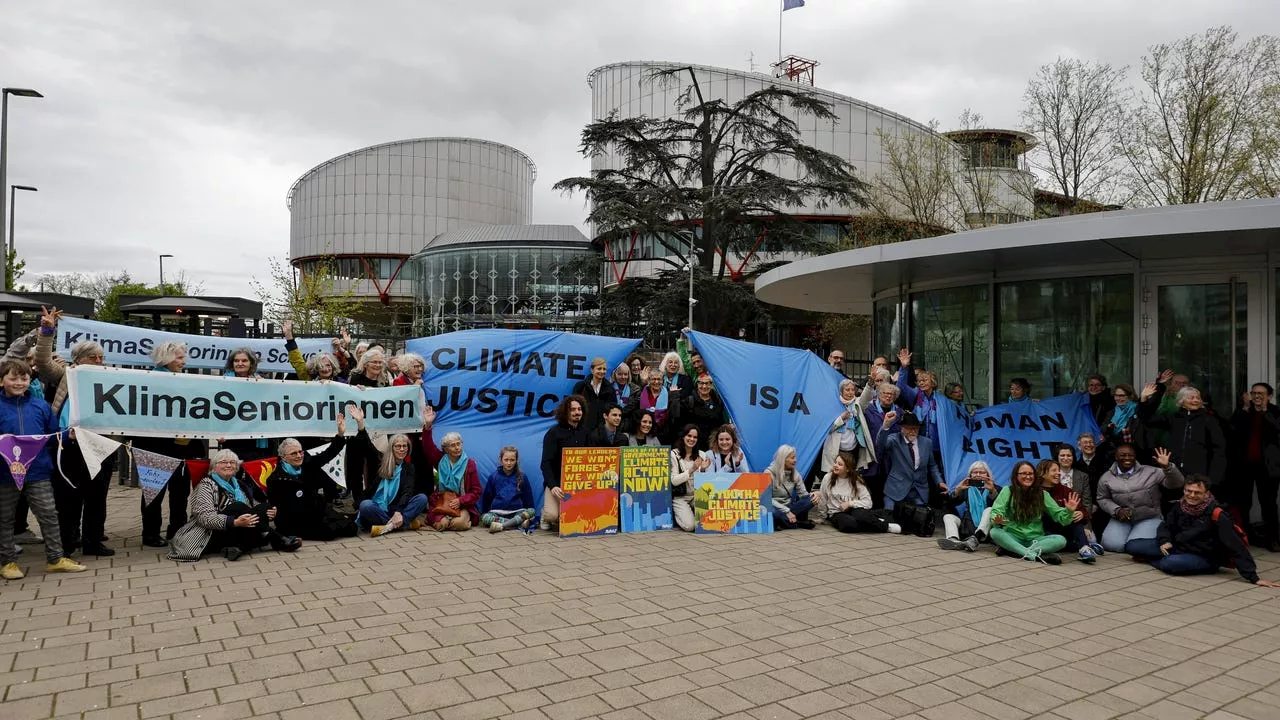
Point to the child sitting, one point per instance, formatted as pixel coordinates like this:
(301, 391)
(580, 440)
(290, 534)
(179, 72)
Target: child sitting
(507, 501)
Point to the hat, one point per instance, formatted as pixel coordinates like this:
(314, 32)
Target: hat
(909, 420)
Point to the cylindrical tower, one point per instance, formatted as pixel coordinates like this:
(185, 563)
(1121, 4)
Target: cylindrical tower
(999, 187)
(369, 210)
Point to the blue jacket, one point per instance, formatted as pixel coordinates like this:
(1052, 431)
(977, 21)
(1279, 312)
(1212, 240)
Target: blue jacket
(500, 492)
(901, 477)
(28, 414)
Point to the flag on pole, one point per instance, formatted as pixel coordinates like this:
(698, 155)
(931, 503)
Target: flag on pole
(95, 448)
(154, 472)
(791, 4)
(19, 451)
(260, 470)
(336, 468)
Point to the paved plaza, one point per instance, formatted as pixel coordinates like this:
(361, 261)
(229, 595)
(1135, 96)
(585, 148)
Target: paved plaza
(667, 625)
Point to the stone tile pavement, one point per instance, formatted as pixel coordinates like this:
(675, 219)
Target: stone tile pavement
(463, 626)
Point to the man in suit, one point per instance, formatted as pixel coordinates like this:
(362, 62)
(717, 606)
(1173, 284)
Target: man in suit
(910, 466)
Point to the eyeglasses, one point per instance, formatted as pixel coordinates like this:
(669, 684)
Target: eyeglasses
(703, 384)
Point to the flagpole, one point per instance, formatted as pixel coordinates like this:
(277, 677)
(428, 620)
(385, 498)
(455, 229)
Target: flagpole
(782, 4)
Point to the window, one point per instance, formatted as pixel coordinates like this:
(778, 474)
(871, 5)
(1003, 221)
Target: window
(951, 335)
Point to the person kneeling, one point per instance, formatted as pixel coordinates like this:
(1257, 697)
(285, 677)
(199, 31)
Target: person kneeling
(1198, 537)
(395, 503)
(1017, 517)
(791, 502)
(846, 501)
(970, 510)
(229, 514)
(507, 498)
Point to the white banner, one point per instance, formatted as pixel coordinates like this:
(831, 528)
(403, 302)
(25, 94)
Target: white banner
(157, 403)
(126, 345)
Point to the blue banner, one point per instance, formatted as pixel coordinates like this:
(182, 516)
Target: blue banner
(776, 396)
(147, 403)
(1004, 434)
(125, 345)
(501, 387)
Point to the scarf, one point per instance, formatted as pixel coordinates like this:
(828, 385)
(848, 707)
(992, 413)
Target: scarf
(977, 503)
(658, 407)
(623, 391)
(1124, 413)
(289, 470)
(926, 407)
(670, 381)
(449, 474)
(1196, 510)
(387, 490)
(853, 423)
(230, 487)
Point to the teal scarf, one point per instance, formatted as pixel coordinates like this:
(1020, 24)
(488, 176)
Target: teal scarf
(387, 490)
(449, 474)
(230, 487)
(977, 504)
(1124, 413)
(289, 469)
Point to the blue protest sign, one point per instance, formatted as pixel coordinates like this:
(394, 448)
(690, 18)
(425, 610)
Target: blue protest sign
(776, 396)
(501, 387)
(1002, 435)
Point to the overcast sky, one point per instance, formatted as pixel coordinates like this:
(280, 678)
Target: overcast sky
(175, 126)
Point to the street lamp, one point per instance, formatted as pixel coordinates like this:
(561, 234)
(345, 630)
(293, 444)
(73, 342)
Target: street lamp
(13, 242)
(162, 257)
(4, 151)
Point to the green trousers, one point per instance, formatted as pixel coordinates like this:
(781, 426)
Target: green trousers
(1021, 546)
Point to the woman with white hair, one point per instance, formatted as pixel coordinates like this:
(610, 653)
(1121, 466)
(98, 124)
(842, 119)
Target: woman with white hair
(1196, 441)
(395, 502)
(454, 504)
(673, 377)
(412, 368)
(301, 489)
(969, 510)
(849, 431)
(371, 369)
(791, 502)
(171, 357)
(82, 500)
(228, 514)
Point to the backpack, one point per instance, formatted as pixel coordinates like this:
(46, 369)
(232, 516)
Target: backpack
(916, 519)
(1240, 533)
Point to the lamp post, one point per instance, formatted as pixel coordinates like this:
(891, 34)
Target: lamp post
(693, 258)
(13, 242)
(162, 257)
(4, 153)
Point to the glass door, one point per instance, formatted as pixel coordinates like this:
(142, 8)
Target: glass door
(1207, 328)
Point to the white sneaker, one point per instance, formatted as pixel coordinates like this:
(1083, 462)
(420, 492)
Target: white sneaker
(895, 528)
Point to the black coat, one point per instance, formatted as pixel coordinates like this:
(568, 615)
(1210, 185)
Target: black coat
(300, 500)
(558, 438)
(1242, 428)
(599, 438)
(1195, 438)
(596, 402)
(1200, 535)
(1102, 405)
(404, 493)
(706, 414)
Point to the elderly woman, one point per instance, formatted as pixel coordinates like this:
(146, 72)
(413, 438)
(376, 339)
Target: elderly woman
(395, 502)
(791, 502)
(324, 367)
(82, 500)
(1195, 436)
(849, 432)
(623, 389)
(412, 367)
(455, 503)
(704, 409)
(229, 514)
(673, 377)
(243, 363)
(299, 488)
(171, 357)
(969, 510)
(1121, 424)
(663, 403)
(371, 370)
(920, 399)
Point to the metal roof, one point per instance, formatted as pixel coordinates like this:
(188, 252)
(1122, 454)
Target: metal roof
(508, 235)
(846, 282)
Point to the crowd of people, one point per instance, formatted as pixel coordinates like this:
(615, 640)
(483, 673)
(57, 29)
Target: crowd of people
(1145, 485)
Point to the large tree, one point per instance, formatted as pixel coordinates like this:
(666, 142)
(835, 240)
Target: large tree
(1198, 121)
(718, 175)
(1074, 109)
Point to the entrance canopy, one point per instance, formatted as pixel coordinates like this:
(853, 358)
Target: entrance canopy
(847, 282)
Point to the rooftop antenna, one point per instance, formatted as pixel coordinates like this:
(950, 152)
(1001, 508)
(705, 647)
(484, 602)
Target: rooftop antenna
(751, 61)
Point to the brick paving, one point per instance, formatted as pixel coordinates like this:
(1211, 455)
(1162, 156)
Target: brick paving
(463, 626)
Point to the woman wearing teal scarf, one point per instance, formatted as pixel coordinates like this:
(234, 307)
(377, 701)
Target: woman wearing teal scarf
(395, 502)
(228, 514)
(969, 510)
(454, 504)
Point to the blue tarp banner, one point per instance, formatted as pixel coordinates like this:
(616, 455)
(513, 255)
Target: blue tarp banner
(501, 387)
(776, 396)
(1004, 434)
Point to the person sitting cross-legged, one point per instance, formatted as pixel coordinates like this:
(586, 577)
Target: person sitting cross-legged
(454, 503)
(395, 502)
(1017, 518)
(1198, 537)
(508, 498)
(1079, 540)
(1130, 494)
(969, 506)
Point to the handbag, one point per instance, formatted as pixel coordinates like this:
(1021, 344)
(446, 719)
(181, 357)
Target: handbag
(916, 519)
(442, 508)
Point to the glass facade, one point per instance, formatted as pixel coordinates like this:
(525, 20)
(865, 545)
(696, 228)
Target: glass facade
(1203, 332)
(1055, 333)
(889, 327)
(951, 335)
(498, 286)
